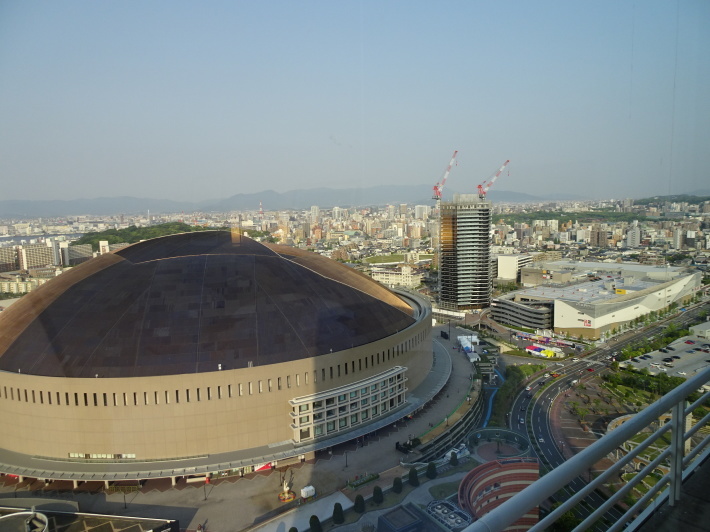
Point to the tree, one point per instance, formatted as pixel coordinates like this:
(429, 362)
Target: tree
(314, 523)
(413, 477)
(377, 496)
(454, 459)
(397, 485)
(338, 516)
(596, 402)
(293, 529)
(567, 521)
(359, 505)
(431, 470)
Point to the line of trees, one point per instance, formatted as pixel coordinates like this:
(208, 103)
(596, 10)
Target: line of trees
(514, 377)
(646, 345)
(659, 384)
(134, 234)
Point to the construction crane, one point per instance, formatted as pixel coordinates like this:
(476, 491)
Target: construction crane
(439, 187)
(483, 187)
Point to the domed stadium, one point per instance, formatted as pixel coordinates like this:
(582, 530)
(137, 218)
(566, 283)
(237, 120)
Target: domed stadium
(204, 351)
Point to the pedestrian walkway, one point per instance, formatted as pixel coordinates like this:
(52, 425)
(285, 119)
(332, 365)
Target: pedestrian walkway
(300, 517)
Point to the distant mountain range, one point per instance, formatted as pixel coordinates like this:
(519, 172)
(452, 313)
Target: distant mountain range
(270, 199)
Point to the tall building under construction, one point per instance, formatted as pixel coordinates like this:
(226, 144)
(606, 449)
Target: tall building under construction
(465, 272)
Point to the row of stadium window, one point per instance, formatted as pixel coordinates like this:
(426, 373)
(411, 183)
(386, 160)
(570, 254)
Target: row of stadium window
(209, 393)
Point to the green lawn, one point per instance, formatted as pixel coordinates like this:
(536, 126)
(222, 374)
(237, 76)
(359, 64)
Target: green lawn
(443, 491)
(384, 258)
(529, 370)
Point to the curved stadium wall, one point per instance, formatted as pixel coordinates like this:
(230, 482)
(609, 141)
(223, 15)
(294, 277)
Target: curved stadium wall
(92, 425)
(164, 417)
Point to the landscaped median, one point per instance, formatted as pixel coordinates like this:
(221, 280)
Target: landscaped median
(515, 377)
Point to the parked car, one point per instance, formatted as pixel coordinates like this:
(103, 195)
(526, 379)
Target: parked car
(689, 342)
(670, 348)
(663, 350)
(590, 369)
(676, 357)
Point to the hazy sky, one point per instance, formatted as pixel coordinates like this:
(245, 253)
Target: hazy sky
(197, 100)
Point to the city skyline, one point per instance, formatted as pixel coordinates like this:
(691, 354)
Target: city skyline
(191, 103)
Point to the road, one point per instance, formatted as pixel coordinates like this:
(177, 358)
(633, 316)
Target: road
(530, 412)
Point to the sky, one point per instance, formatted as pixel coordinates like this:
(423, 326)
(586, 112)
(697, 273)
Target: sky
(203, 100)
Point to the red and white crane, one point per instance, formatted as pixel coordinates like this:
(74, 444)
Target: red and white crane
(483, 187)
(439, 187)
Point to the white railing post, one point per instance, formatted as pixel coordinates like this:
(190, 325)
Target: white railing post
(677, 446)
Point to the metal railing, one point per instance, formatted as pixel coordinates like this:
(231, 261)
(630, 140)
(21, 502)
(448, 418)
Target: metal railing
(671, 457)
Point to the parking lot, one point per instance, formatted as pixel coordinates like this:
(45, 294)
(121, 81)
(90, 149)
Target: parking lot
(682, 358)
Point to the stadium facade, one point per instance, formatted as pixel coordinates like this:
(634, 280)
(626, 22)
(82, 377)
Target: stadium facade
(204, 352)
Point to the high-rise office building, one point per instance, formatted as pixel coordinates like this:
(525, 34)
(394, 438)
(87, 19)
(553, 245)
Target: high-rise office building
(633, 236)
(421, 212)
(465, 272)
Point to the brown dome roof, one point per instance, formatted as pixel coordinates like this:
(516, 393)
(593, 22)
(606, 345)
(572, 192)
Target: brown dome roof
(189, 302)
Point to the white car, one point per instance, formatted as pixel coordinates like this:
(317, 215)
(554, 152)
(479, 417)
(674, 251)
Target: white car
(541, 440)
(682, 373)
(575, 359)
(560, 364)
